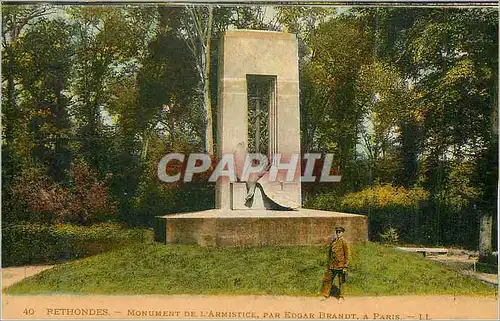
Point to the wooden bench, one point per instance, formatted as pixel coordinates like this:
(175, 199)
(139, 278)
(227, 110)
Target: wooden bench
(424, 250)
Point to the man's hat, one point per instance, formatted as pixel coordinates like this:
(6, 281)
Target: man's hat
(339, 228)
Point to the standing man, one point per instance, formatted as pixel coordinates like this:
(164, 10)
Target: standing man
(338, 261)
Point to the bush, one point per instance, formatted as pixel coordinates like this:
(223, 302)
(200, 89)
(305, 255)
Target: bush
(487, 268)
(45, 244)
(156, 200)
(324, 201)
(386, 206)
(488, 263)
(85, 201)
(390, 237)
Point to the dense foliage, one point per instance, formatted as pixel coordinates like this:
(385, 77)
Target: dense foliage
(404, 98)
(42, 244)
(386, 206)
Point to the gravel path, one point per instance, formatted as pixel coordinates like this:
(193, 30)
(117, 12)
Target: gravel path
(246, 307)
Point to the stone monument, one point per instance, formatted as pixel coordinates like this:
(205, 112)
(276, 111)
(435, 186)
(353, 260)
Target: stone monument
(258, 112)
(259, 75)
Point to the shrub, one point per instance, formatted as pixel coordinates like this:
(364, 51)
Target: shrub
(487, 268)
(324, 201)
(386, 206)
(38, 243)
(385, 196)
(156, 199)
(86, 201)
(89, 199)
(390, 236)
(25, 197)
(488, 263)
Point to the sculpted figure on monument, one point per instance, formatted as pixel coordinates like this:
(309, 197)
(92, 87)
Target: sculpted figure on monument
(261, 181)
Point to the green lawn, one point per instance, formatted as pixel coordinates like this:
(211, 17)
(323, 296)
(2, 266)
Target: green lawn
(175, 269)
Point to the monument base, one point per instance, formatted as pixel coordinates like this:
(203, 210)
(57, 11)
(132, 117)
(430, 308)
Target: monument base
(225, 228)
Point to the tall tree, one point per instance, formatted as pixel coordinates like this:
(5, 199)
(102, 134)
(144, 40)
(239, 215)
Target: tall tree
(449, 58)
(198, 27)
(383, 97)
(194, 25)
(170, 99)
(334, 67)
(15, 20)
(304, 23)
(109, 42)
(44, 63)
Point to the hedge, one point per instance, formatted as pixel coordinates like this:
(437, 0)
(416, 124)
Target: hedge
(386, 206)
(30, 243)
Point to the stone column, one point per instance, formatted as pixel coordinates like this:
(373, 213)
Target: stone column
(244, 52)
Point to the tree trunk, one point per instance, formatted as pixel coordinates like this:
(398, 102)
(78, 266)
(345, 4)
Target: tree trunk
(410, 151)
(485, 225)
(10, 109)
(145, 145)
(486, 218)
(209, 138)
(58, 162)
(171, 129)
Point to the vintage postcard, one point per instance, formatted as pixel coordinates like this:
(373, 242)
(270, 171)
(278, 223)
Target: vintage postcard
(250, 160)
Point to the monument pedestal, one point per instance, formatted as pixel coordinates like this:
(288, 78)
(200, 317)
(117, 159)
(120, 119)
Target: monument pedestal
(226, 228)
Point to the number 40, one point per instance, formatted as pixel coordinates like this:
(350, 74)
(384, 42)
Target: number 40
(29, 311)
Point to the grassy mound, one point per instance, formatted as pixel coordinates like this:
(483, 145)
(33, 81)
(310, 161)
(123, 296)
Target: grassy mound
(177, 269)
